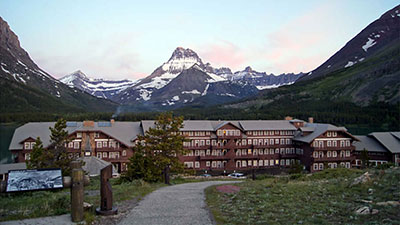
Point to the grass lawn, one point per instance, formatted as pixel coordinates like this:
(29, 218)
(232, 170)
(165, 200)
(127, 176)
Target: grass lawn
(49, 203)
(322, 198)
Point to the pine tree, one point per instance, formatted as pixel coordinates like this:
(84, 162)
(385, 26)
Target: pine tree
(158, 150)
(55, 156)
(364, 159)
(36, 159)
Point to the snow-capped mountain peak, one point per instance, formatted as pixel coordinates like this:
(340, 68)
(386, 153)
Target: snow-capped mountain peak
(180, 60)
(100, 88)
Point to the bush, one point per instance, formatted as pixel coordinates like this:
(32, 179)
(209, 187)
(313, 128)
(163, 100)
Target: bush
(385, 166)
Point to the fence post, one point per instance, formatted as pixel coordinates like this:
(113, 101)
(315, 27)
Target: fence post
(77, 191)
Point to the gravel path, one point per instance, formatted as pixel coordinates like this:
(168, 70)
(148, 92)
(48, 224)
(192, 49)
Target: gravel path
(178, 204)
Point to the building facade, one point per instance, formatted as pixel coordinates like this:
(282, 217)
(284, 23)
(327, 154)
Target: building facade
(213, 146)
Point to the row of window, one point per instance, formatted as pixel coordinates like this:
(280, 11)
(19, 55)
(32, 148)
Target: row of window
(74, 144)
(371, 162)
(320, 166)
(331, 134)
(266, 162)
(270, 132)
(266, 151)
(110, 155)
(107, 144)
(267, 141)
(321, 144)
(228, 132)
(29, 145)
(321, 154)
(196, 133)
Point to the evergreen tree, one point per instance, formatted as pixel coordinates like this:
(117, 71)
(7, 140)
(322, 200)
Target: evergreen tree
(364, 159)
(158, 150)
(36, 159)
(55, 156)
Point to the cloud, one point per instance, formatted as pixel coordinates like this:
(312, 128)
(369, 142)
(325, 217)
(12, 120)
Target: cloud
(112, 57)
(302, 44)
(223, 53)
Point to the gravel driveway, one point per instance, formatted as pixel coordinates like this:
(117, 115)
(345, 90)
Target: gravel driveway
(178, 204)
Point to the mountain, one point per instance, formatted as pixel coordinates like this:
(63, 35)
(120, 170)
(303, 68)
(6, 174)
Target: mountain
(27, 88)
(377, 36)
(100, 88)
(186, 80)
(365, 94)
(265, 81)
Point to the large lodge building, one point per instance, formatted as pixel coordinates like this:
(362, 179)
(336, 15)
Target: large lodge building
(218, 146)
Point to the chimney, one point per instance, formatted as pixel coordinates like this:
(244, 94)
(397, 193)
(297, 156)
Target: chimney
(88, 123)
(310, 119)
(112, 121)
(288, 118)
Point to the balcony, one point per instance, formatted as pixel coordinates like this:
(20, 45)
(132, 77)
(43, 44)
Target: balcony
(334, 159)
(333, 148)
(214, 157)
(288, 156)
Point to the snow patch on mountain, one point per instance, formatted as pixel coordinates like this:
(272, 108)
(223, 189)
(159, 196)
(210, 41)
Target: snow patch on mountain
(194, 92)
(371, 42)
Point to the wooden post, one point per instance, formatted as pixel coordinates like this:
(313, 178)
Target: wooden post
(166, 174)
(106, 198)
(77, 191)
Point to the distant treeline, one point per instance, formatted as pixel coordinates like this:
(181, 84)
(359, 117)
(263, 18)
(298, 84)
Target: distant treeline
(377, 115)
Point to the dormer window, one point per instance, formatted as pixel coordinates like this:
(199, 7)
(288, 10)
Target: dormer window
(79, 135)
(96, 135)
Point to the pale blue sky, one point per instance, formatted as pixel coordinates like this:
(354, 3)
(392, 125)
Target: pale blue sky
(129, 39)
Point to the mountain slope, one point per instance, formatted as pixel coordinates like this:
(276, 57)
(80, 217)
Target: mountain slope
(185, 79)
(100, 88)
(25, 87)
(378, 35)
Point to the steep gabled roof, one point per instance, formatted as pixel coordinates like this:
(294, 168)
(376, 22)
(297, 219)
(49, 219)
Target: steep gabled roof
(220, 124)
(369, 143)
(387, 139)
(267, 125)
(121, 131)
(319, 128)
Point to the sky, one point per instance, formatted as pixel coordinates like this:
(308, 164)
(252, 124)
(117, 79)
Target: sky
(129, 39)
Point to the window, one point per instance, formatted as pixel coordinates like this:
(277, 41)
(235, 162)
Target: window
(315, 166)
(265, 162)
(321, 166)
(124, 153)
(79, 135)
(76, 145)
(287, 162)
(104, 154)
(328, 134)
(254, 162)
(196, 153)
(261, 151)
(260, 162)
(238, 163)
(213, 164)
(27, 145)
(96, 135)
(244, 152)
(348, 165)
(70, 145)
(329, 154)
(329, 144)
(207, 142)
(105, 144)
(282, 162)
(282, 141)
(334, 154)
(271, 151)
(315, 154)
(249, 151)
(188, 164)
(271, 162)
(99, 155)
(334, 143)
(271, 141)
(249, 142)
(27, 156)
(249, 163)
(347, 153)
(244, 163)
(334, 134)
(99, 144)
(208, 163)
(347, 143)
(197, 164)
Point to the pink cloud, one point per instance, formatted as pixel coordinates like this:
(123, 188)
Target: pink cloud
(300, 45)
(223, 53)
